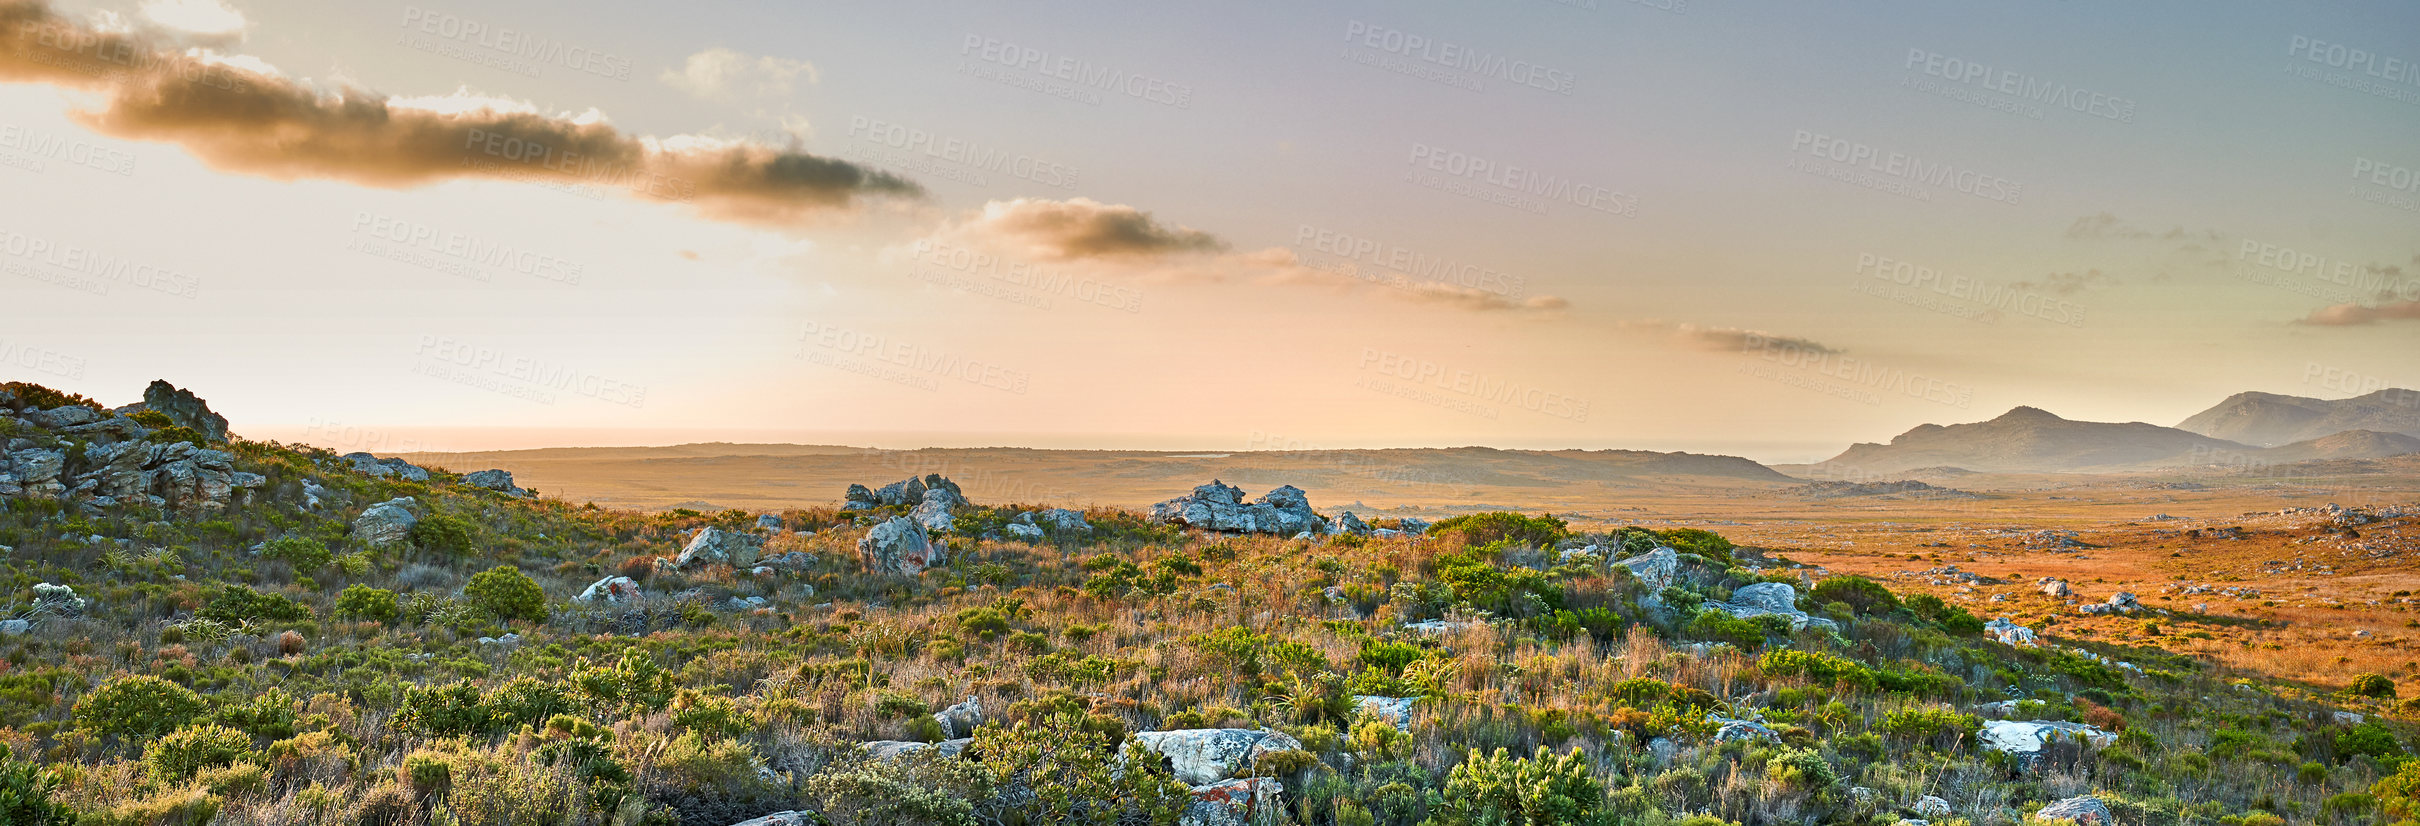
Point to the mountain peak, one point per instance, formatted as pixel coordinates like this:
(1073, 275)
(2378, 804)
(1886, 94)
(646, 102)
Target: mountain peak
(2025, 413)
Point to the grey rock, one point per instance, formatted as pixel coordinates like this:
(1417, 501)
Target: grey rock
(1241, 802)
(1396, 710)
(388, 523)
(373, 466)
(500, 481)
(185, 409)
(2346, 718)
(63, 417)
(1065, 522)
(1218, 506)
(1656, 569)
(1663, 749)
(15, 627)
(610, 590)
(1770, 598)
(791, 818)
(2024, 739)
(2004, 630)
(1414, 526)
(900, 546)
(769, 523)
(889, 750)
(859, 498)
(960, 720)
(2056, 588)
(712, 545)
(2085, 811)
(1930, 806)
(1742, 730)
(1028, 533)
(937, 510)
(1208, 755)
(1346, 522)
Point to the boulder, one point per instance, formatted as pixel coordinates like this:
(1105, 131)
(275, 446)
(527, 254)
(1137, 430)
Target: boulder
(2056, 588)
(1218, 506)
(2345, 718)
(792, 818)
(1930, 806)
(33, 471)
(769, 523)
(1656, 569)
(937, 511)
(1774, 598)
(2024, 740)
(1742, 730)
(2084, 811)
(859, 498)
(370, 465)
(1243, 802)
(387, 523)
(1065, 522)
(612, 589)
(1208, 755)
(63, 417)
(711, 545)
(889, 750)
(2009, 632)
(2119, 603)
(960, 720)
(910, 491)
(15, 627)
(1346, 522)
(1436, 627)
(1396, 710)
(1028, 533)
(500, 481)
(900, 546)
(184, 409)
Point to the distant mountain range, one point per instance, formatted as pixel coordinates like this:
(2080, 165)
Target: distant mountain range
(2238, 431)
(2269, 419)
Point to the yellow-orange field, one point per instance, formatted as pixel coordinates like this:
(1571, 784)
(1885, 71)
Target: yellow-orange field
(2334, 600)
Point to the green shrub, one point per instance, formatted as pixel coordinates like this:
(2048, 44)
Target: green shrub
(1704, 543)
(2372, 685)
(505, 593)
(38, 397)
(25, 795)
(175, 758)
(1940, 727)
(137, 705)
(1487, 790)
(2369, 739)
(1501, 526)
(239, 604)
(1865, 595)
(366, 603)
(1816, 667)
(440, 533)
(302, 552)
(444, 711)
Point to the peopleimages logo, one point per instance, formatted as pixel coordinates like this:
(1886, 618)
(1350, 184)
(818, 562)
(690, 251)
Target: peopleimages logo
(1529, 182)
(515, 43)
(1899, 166)
(1082, 74)
(1459, 57)
(2021, 86)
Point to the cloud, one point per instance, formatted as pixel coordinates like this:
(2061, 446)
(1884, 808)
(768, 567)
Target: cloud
(2351, 314)
(2068, 283)
(208, 22)
(723, 74)
(239, 115)
(1122, 242)
(1082, 228)
(1732, 338)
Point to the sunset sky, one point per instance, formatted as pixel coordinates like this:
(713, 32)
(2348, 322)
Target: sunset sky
(1759, 228)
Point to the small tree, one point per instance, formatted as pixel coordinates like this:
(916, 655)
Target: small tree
(505, 593)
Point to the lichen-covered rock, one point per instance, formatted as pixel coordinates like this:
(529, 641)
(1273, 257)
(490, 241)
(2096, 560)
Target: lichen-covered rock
(2024, 739)
(612, 589)
(960, 720)
(712, 545)
(2084, 811)
(1930, 806)
(770, 523)
(889, 750)
(1395, 710)
(388, 523)
(371, 465)
(900, 546)
(500, 481)
(1770, 598)
(1655, 569)
(1203, 756)
(1244, 802)
(2009, 632)
(184, 409)
(1065, 522)
(1218, 506)
(1029, 533)
(937, 512)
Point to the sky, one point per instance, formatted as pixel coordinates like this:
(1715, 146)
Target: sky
(1758, 228)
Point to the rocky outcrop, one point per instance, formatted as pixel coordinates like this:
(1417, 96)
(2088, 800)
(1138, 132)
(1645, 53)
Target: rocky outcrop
(1065, 522)
(2009, 632)
(960, 720)
(1770, 598)
(1656, 569)
(1243, 802)
(387, 524)
(610, 590)
(182, 409)
(1346, 522)
(2119, 603)
(1019, 530)
(900, 546)
(1203, 756)
(937, 512)
(178, 475)
(1218, 506)
(713, 545)
(370, 465)
(909, 492)
(500, 481)
(770, 523)
(2056, 588)
(2084, 811)
(889, 750)
(1742, 730)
